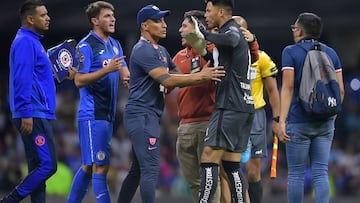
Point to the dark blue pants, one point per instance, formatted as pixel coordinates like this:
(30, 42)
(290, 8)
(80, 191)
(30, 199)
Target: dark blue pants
(144, 131)
(41, 159)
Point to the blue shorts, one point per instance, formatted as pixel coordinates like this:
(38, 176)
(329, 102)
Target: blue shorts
(95, 137)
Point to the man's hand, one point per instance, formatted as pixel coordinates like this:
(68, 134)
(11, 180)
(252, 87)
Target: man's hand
(249, 37)
(26, 126)
(115, 64)
(283, 137)
(125, 76)
(213, 73)
(71, 74)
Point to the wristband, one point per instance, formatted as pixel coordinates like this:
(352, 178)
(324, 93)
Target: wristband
(276, 118)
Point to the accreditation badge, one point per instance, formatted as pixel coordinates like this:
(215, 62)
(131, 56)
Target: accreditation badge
(195, 65)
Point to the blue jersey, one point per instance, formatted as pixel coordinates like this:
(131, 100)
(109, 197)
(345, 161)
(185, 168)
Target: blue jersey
(98, 100)
(146, 94)
(31, 84)
(293, 58)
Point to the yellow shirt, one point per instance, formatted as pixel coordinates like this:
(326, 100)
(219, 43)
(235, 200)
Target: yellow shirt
(262, 68)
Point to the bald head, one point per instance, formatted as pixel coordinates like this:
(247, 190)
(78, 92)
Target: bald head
(241, 21)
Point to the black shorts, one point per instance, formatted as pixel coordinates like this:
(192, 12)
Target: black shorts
(229, 130)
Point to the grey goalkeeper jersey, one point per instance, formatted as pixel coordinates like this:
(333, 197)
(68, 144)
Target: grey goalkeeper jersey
(233, 92)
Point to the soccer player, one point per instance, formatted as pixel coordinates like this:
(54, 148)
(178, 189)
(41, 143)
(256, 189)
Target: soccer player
(195, 105)
(32, 101)
(98, 81)
(230, 123)
(150, 64)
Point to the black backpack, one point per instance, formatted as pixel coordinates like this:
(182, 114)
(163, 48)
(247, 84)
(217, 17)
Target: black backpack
(319, 91)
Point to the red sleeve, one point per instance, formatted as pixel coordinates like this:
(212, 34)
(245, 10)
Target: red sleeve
(254, 51)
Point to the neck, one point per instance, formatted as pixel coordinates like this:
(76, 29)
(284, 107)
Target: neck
(104, 36)
(40, 32)
(224, 20)
(150, 38)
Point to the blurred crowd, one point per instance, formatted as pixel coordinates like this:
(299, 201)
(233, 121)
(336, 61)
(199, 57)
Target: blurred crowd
(344, 168)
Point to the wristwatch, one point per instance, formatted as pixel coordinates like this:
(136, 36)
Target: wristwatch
(276, 118)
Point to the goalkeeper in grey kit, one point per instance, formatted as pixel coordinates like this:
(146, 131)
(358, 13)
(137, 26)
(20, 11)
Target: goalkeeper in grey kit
(231, 121)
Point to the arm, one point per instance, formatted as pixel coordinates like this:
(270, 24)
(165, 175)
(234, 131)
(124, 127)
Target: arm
(125, 76)
(274, 99)
(83, 79)
(230, 38)
(254, 51)
(341, 84)
(161, 75)
(22, 64)
(253, 44)
(340, 80)
(287, 91)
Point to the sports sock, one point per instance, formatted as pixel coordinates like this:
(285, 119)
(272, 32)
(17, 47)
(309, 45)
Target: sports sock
(237, 180)
(255, 191)
(79, 186)
(100, 188)
(12, 197)
(209, 181)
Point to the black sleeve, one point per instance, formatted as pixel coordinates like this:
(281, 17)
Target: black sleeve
(209, 57)
(229, 38)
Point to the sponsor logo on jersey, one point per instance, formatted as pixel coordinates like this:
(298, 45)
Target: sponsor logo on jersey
(105, 62)
(116, 50)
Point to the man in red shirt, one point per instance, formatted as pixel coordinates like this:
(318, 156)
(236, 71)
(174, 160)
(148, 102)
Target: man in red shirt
(195, 105)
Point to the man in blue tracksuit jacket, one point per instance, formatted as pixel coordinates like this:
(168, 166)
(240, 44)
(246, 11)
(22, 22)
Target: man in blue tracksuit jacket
(32, 101)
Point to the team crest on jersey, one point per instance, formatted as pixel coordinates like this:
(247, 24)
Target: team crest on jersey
(165, 59)
(65, 58)
(105, 62)
(152, 140)
(116, 50)
(40, 140)
(100, 155)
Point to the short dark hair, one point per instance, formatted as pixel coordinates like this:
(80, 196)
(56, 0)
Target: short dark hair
(28, 7)
(93, 9)
(228, 4)
(311, 24)
(200, 15)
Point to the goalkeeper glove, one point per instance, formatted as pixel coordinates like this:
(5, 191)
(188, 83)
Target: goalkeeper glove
(196, 39)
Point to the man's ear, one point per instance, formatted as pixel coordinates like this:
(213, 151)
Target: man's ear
(301, 32)
(144, 25)
(30, 19)
(94, 21)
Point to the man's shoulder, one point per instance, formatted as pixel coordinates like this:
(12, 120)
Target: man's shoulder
(142, 47)
(181, 53)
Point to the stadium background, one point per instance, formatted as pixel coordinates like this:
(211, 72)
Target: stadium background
(269, 20)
